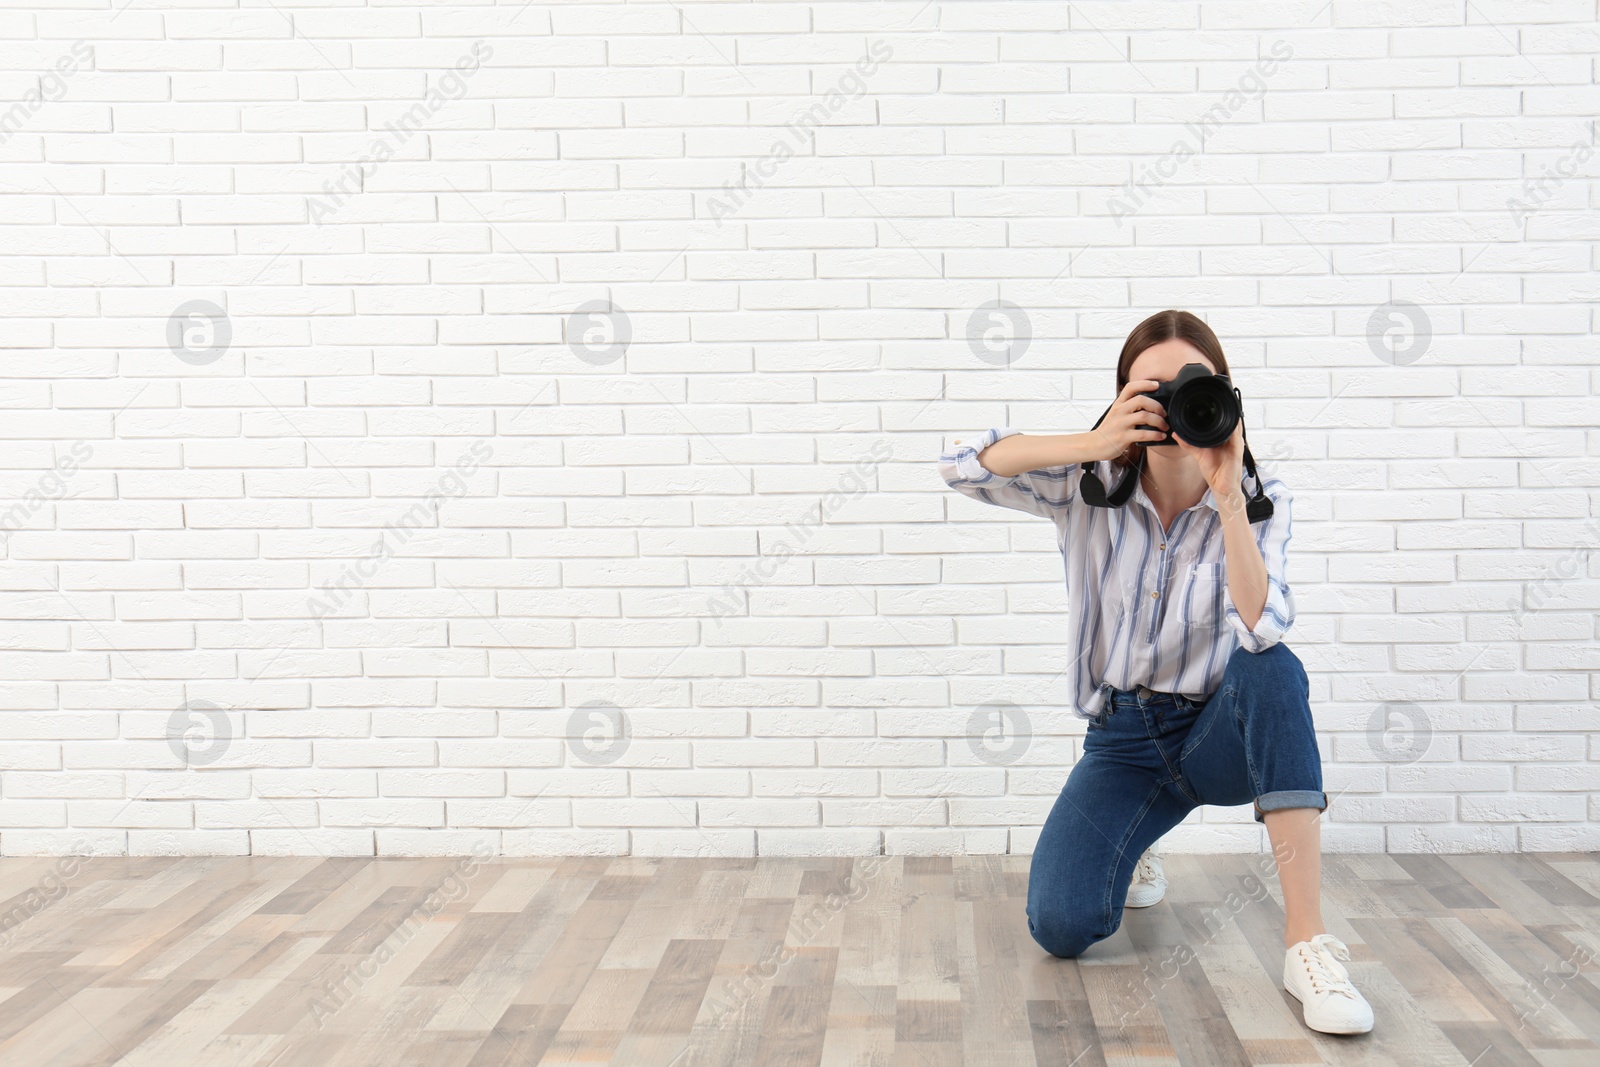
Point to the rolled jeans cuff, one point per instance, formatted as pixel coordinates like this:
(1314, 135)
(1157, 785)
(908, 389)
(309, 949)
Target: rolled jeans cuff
(1291, 798)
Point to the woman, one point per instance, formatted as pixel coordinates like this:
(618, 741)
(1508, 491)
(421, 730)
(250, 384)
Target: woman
(1178, 606)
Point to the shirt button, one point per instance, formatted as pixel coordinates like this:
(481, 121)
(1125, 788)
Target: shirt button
(1156, 593)
(1163, 544)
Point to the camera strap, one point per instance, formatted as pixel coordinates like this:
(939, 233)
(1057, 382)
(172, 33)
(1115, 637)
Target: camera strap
(1257, 508)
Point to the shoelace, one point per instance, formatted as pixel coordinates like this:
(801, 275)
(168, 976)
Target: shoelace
(1144, 870)
(1321, 956)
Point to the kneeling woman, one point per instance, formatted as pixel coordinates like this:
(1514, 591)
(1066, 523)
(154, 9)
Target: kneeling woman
(1177, 607)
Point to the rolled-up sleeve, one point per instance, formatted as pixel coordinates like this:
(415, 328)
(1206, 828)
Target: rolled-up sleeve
(1272, 537)
(1046, 493)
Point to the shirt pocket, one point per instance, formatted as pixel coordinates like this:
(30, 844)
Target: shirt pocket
(1202, 595)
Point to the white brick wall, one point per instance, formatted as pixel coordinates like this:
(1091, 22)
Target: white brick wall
(393, 391)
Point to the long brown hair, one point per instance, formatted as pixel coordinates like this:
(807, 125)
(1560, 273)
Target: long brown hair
(1164, 326)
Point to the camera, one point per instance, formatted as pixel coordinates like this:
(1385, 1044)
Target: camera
(1202, 408)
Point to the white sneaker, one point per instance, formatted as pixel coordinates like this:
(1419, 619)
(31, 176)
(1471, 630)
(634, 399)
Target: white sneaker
(1149, 882)
(1314, 976)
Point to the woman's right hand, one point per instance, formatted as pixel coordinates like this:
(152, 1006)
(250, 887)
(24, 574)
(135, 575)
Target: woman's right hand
(1131, 411)
(1018, 453)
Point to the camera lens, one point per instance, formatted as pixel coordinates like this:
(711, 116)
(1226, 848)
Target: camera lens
(1204, 413)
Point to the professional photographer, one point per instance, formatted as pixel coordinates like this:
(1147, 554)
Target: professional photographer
(1178, 606)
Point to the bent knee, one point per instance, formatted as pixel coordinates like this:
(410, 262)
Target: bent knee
(1277, 661)
(1066, 933)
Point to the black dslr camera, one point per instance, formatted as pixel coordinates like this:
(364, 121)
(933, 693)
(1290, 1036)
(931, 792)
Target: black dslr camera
(1202, 408)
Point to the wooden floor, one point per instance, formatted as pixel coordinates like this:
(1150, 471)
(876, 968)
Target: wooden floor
(912, 962)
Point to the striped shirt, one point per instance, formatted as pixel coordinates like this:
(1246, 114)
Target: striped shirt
(1144, 606)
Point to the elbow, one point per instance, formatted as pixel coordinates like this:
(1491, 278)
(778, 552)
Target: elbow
(1257, 640)
(1267, 631)
(961, 465)
(961, 468)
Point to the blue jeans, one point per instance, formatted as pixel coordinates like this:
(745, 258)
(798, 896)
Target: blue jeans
(1149, 759)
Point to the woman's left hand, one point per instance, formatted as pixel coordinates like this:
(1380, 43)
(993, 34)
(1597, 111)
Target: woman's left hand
(1222, 466)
